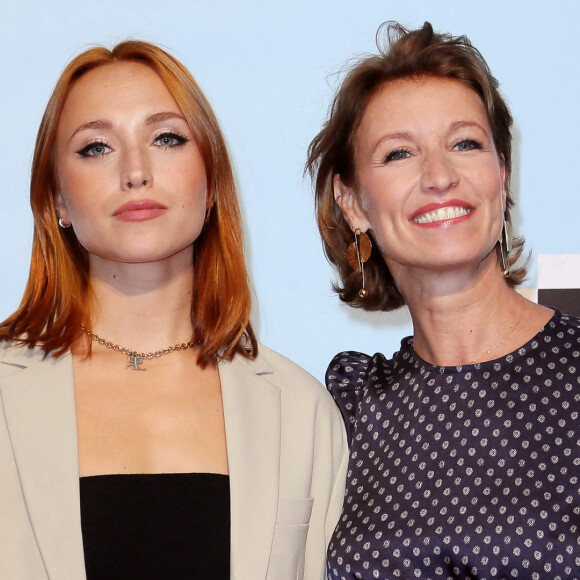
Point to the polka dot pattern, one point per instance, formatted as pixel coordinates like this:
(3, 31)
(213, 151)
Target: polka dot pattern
(468, 472)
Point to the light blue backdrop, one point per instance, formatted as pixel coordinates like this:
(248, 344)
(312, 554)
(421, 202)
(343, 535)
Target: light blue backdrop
(268, 68)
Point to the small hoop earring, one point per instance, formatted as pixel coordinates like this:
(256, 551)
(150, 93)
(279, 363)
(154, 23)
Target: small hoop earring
(63, 225)
(357, 254)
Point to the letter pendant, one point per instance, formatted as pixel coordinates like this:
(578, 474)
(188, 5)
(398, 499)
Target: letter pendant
(134, 361)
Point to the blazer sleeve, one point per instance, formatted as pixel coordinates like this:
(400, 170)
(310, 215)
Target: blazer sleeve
(313, 463)
(328, 484)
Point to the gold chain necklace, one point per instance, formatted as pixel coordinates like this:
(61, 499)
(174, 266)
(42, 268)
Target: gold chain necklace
(489, 350)
(136, 358)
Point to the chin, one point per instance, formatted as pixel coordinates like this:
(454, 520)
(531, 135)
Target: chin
(142, 255)
(447, 263)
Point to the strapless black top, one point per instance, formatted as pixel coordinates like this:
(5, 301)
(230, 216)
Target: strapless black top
(156, 526)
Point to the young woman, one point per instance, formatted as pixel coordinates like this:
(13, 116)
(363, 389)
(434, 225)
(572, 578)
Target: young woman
(464, 445)
(145, 433)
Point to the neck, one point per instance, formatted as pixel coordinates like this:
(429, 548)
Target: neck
(144, 307)
(459, 316)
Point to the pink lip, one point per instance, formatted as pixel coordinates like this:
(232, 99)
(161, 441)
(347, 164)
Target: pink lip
(439, 205)
(145, 209)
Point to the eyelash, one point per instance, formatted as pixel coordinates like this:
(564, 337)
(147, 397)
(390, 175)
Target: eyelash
(394, 155)
(84, 151)
(180, 139)
(471, 142)
(401, 153)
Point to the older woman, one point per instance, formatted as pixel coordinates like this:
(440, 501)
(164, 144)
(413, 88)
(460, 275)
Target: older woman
(131, 363)
(464, 446)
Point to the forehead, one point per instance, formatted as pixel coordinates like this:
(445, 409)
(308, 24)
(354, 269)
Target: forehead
(423, 102)
(121, 87)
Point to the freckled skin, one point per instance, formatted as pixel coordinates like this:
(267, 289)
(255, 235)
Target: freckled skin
(133, 184)
(123, 109)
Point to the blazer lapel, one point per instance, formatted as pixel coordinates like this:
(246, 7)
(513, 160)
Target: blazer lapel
(40, 414)
(252, 419)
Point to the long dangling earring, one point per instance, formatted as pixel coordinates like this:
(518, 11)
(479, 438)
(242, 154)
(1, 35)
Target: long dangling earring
(505, 245)
(358, 253)
(505, 241)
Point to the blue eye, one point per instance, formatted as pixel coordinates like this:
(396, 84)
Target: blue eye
(170, 140)
(467, 145)
(397, 155)
(96, 149)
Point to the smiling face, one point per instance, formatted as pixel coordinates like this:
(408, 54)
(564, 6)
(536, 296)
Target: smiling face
(428, 177)
(132, 181)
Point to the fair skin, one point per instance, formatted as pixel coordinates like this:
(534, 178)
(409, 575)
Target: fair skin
(430, 187)
(133, 186)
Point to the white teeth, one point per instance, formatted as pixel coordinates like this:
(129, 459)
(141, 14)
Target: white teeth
(443, 213)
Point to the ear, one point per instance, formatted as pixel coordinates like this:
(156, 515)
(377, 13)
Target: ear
(61, 208)
(350, 205)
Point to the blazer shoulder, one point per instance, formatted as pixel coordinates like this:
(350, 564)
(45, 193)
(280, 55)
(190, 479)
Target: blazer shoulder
(15, 357)
(289, 376)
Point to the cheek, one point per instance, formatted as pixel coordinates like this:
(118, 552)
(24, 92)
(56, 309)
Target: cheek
(75, 204)
(193, 185)
(381, 205)
(495, 197)
(384, 188)
(72, 185)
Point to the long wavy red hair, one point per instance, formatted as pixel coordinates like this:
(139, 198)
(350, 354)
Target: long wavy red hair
(56, 299)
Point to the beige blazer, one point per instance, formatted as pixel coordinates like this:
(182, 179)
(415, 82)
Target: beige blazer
(287, 460)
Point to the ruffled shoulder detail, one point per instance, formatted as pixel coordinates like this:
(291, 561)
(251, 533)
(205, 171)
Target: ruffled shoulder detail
(566, 320)
(346, 377)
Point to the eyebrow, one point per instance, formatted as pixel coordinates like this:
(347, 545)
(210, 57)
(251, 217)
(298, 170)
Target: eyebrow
(465, 124)
(160, 117)
(392, 137)
(98, 124)
(106, 124)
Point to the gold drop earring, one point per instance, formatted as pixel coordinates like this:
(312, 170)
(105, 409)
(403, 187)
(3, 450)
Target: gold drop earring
(358, 253)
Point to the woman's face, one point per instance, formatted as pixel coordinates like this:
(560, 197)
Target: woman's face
(132, 180)
(429, 181)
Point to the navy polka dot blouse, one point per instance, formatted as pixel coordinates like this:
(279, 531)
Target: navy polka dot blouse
(469, 472)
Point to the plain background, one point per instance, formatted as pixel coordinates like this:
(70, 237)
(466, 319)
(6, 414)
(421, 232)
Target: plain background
(269, 70)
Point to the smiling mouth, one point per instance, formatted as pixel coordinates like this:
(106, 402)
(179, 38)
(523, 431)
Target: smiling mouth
(441, 214)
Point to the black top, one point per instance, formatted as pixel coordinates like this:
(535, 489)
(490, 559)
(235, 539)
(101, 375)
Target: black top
(156, 526)
(469, 472)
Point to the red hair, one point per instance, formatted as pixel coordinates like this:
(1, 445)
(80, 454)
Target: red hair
(55, 301)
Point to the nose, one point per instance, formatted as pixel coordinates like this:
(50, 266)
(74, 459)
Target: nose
(438, 173)
(136, 169)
